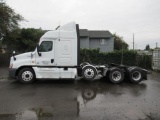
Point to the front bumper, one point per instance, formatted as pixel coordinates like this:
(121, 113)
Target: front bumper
(12, 73)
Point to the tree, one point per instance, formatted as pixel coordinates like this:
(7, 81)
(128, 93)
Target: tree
(25, 39)
(147, 47)
(119, 43)
(8, 19)
(30, 37)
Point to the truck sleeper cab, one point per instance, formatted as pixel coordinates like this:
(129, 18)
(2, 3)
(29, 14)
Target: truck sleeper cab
(57, 57)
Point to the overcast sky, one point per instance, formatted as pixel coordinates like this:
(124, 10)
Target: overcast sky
(124, 17)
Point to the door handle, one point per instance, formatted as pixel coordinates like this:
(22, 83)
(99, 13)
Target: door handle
(52, 60)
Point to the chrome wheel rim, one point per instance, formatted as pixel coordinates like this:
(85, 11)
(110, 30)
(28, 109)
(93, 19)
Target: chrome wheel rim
(136, 75)
(116, 76)
(27, 76)
(89, 73)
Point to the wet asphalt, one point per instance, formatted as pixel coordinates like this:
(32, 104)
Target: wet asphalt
(80, 100)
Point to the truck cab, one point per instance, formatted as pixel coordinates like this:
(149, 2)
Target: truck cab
(56, 56)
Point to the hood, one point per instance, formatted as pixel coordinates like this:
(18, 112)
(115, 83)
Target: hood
(21, 60)
(26, 55)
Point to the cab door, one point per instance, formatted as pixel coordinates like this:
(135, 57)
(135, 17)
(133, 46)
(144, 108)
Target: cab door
(45, 60)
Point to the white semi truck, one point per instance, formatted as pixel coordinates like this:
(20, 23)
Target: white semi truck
(57, 57)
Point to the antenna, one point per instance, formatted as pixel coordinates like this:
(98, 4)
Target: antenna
(59, 31)
(156, 45)
(133, 41)
(57, 27)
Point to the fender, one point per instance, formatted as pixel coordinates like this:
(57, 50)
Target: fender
(107, 70)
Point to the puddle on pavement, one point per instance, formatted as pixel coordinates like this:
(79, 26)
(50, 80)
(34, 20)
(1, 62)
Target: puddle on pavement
(4, 79)
(97, 100)
(35, 114)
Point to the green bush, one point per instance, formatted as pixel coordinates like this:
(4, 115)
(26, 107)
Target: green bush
(125, 57)
(144, 61)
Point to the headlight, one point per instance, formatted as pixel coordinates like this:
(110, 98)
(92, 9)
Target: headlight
(11, 65)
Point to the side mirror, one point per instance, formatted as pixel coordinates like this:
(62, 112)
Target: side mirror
(38, 50)
(13, 53)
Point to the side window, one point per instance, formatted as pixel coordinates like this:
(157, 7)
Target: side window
(46, 46)
(103, 42)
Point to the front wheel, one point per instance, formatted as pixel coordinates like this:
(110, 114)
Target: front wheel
(26, 75)
(116, 75)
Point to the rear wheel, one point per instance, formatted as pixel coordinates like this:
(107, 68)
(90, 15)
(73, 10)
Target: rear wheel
(135, 75)
(89, 73)
(26, 75)
(116, 75)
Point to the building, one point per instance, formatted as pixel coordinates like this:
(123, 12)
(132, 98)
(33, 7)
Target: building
(156, 59)
(144, 52)
(93, 39)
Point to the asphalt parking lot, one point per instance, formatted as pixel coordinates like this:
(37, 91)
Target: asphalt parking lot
(80, 100)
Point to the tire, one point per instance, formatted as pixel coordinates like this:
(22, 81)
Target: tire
(89, 73)
(135, 75)
(26, 75)
(116, 75)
